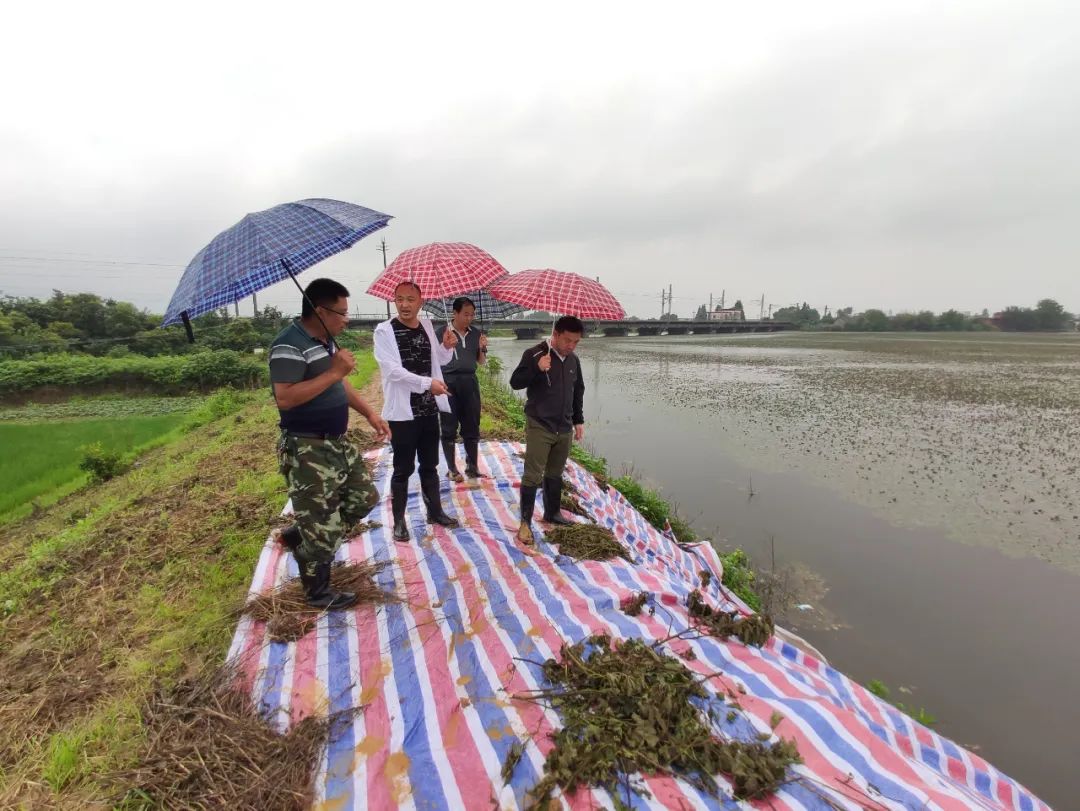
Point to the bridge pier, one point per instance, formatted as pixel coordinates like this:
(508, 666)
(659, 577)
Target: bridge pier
(527, 333)
(677, 330)
(616, 332)
(648, 330)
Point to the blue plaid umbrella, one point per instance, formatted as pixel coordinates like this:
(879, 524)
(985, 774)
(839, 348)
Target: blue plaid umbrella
(266, 247)
(486, 306)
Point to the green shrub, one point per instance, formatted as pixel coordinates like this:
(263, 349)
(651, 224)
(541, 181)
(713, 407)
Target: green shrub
(166, 374)
(739, 577)
(101, 464)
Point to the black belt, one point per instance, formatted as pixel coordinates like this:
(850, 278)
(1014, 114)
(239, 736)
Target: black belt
(314, 435)
(460, 372)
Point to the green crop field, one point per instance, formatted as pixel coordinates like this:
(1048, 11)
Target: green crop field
(41, 459)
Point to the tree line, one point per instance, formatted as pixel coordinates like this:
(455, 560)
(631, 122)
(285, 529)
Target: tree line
(1047, 315)
(86, 323)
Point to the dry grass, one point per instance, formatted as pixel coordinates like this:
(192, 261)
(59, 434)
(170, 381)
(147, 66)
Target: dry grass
(287, 614)
(208, 748)
(587, 542)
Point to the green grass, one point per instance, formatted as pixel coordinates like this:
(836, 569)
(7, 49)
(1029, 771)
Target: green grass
(43, 457)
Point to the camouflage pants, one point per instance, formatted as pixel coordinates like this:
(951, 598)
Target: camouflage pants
(330, 488)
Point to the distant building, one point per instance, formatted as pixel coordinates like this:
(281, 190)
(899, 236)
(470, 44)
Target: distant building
(721, 314)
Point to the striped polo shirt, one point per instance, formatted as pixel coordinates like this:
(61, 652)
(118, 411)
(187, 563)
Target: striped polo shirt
(296, 356)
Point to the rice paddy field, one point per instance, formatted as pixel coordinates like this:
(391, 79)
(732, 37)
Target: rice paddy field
(43, 444)
(976, 434)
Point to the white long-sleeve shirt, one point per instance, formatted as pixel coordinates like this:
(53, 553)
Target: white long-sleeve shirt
(397, 381)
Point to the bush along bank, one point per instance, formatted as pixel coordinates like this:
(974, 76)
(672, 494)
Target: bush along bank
(504, 418)
(165, 374)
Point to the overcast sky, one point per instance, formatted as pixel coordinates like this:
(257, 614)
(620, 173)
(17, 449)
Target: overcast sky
(901, 155)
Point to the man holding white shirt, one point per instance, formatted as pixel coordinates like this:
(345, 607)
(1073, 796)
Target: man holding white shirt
(410, 358)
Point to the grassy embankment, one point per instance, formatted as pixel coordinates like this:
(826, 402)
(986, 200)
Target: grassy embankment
(124, 588)
(121, 590)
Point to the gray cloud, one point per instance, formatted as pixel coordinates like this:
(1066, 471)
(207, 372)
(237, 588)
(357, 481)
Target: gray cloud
(929, 164)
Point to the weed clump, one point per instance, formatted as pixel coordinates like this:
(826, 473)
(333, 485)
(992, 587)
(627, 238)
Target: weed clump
(753, 630)
(628, 708)
(587, 542)
(286, 612)
(633, 606)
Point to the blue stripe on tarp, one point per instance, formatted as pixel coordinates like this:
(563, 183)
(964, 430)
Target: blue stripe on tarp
(406, 675)
(339, 783)
(480, 689)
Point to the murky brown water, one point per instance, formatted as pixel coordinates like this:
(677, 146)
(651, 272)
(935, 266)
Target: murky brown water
(925, 489)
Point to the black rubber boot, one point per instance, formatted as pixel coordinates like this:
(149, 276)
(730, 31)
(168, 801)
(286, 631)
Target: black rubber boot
(290, 537)
(399, 496)
(322, 596)
(553, 502)
(433, 501)
(528, 504)
(450, 452)
(317, 589)
(472, 456)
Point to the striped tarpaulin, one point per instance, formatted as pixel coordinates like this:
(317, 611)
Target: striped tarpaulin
(435, 675)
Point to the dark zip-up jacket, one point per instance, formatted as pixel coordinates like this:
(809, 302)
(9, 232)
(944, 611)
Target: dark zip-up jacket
(556, 399)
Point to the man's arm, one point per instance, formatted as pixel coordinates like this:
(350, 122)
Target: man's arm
(579, 404)
(382, 429)
(525, 372)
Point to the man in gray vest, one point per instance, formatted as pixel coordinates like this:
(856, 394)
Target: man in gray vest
(329, 483)
(464, 390)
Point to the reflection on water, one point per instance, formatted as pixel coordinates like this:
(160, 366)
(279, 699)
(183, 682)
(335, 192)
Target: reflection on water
(982, 640)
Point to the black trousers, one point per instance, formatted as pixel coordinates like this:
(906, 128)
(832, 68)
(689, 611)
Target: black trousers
(464, 408)
(412, 440)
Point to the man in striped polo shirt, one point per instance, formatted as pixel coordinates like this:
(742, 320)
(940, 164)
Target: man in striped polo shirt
(329, 483)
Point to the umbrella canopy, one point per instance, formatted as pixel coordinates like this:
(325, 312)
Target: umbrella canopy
(266, 247)
(487, 307)
(440, 269)
(559, 292)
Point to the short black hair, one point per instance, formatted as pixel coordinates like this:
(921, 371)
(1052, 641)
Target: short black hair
(570, 323)
(399, 285)
(321, 293)
(461, 301)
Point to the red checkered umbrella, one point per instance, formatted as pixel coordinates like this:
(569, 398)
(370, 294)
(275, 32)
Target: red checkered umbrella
(560, 292)
(441, 269)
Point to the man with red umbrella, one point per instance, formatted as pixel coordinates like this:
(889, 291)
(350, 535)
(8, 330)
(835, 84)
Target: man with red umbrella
(551, 375)
(410, 358)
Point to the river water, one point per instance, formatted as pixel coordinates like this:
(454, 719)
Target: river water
(903, 488)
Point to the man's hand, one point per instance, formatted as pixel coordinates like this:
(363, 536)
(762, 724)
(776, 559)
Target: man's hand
(438, 387)
(579, 432)
(381, 426)
(449, 338)
(544, 364)
(483, 342)
(342, 362)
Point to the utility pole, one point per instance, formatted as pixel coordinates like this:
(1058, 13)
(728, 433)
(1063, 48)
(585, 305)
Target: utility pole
(669, 299)
(761, 312)
(255, 303)
(663, 300)
(722, 292)
(710, 302)
(382, 247)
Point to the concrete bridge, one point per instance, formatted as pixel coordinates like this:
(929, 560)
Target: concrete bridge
(529, 329)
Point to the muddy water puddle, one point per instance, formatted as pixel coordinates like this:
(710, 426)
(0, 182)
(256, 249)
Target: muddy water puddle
(922, 494)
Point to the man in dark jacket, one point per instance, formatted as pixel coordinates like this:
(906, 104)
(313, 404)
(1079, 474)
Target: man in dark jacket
(551, 375)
